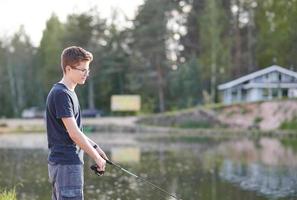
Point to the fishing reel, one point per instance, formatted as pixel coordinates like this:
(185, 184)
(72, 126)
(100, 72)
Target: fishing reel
(95, 169)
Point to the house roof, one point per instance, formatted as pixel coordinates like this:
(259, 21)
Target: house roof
(257, 74)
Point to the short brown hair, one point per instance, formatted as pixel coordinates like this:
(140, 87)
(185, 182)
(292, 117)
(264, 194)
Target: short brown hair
(73, 55)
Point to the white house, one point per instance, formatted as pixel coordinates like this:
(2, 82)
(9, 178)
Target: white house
(271, 82)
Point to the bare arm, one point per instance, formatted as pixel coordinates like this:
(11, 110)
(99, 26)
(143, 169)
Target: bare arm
(82, 141)
(98, 149)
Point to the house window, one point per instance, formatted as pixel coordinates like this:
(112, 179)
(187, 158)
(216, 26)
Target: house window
(266, 78)
(287, 79)
(284, 92)
(274, 92)
(234, 95)
(265, 93)
(274, 77)
(244, 95)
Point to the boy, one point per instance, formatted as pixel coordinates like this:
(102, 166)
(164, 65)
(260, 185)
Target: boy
(65, 138)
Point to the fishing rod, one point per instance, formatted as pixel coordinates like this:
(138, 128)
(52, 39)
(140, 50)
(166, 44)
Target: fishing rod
(100, 173)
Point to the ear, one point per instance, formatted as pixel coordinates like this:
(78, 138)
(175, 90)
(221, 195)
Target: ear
(67, 68)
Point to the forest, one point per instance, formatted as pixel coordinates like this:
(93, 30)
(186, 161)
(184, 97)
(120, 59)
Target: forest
(173, 53)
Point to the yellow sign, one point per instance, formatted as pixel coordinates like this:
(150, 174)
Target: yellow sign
(125, 102)
(125, 154)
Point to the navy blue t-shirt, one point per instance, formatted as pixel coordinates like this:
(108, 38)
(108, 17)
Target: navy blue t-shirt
(62, 102)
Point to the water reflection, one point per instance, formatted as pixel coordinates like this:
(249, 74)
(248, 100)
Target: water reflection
(264, 166)
(242, 169)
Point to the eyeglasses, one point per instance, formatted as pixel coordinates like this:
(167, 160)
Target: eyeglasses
(85, 71)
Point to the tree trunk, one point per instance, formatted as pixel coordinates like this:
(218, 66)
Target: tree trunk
(237, 56)
(91, 96)
(160, 88)
(213, 81)
(251, 42)
(215, 35)
(19, 83)
(12, 87)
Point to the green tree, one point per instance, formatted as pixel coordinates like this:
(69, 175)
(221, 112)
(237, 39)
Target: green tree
(19, 69)
(150, 63)
(79, 33)
(191, 40)
(185, 85)
(5, 93)
(114, 65)
(215, 43)
(86, 30)
(276, 32)
(48, 55)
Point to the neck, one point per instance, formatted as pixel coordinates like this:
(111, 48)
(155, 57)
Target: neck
(68, 83)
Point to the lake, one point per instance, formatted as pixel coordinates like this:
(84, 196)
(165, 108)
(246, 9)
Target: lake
(190, 168)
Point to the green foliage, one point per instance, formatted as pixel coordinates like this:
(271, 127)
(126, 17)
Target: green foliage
(289, 142)
(19, 60)
(112, 64)
(78, 30)
(8, 195)
(289, 125)
(185, 85)
(211, 42)
(148, 105)
(258, 120)
(215, 44)
(149, 66)
(208, 40)
(180, 138)
(195, 124)
(276, 25)
(48, 55)
(5, 95)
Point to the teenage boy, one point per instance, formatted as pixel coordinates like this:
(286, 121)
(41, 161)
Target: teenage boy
(66, 141)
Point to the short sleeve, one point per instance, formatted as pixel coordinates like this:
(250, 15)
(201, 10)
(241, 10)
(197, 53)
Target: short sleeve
(63, 105)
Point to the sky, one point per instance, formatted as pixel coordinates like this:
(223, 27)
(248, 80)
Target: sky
(33, 14)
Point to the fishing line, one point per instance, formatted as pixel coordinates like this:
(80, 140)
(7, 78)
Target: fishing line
(99, 173)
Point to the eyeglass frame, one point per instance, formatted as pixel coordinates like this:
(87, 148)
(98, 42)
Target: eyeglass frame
(85, 71)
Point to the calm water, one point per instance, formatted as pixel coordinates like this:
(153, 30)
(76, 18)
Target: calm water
(208, 170)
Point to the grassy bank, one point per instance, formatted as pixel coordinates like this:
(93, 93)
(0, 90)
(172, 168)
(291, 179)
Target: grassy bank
(8, 194)
(289, 124)
(21, 126)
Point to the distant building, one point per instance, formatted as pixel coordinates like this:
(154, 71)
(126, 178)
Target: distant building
(269, 83)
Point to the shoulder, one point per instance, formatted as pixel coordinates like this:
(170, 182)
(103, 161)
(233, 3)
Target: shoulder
(58, 92)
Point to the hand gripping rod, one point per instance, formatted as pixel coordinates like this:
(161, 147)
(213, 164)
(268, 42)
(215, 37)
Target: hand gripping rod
(99, 173)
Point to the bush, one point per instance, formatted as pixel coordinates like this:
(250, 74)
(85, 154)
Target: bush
(289, 125)
(258, 120)
(195, 124)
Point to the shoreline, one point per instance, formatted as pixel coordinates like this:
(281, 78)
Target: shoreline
(144, 140)
(121, 131)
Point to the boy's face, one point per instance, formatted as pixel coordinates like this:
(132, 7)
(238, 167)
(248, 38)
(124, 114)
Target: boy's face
(78, 73)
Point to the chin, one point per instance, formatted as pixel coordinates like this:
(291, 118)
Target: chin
(82, 82)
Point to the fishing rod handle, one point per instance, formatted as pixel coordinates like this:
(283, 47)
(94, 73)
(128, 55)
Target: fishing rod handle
(108, 161)
(95, 169)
